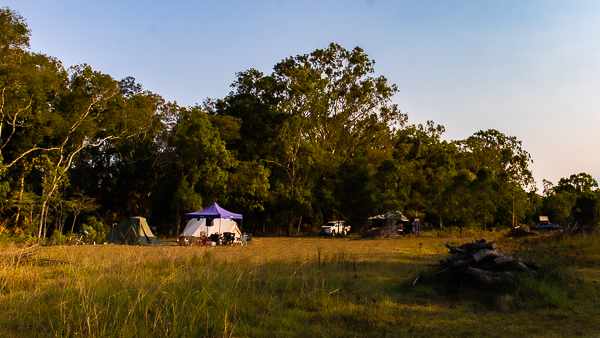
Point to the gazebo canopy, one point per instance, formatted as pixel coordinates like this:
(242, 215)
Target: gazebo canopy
(214, 211)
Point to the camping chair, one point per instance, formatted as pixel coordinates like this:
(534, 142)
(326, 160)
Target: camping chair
(228, 238)
(202, 239)
(215, 238)
(183, 241)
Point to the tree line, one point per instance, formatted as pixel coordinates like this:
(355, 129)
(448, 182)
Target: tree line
(317, 138)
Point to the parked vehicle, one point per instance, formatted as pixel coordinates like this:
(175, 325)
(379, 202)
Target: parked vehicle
(545, 224)
(335, 228)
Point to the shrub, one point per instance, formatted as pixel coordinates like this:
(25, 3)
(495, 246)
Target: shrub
(94, 230)
(17, 236)
(57, 238)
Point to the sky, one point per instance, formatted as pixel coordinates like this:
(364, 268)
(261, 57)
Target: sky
(530, 69)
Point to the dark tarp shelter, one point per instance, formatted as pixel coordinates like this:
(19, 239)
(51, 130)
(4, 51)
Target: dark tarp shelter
(133, 230)
(389, 218)
(388, 224)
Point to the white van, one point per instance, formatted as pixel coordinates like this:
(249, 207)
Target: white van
(335, 228)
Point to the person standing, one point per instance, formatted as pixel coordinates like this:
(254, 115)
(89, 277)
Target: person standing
(416, 226)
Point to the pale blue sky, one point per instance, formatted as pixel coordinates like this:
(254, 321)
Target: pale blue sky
(528, 68)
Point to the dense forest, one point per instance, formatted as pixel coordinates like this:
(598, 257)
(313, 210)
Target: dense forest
(317, 138)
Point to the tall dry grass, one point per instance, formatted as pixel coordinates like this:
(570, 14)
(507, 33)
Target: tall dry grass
(273, 288)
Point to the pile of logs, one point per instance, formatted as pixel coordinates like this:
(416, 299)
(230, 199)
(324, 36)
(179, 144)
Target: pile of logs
(480, 263)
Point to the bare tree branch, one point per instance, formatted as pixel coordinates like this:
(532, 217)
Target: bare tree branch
(27, 153)
(95, 100)
(13, 124)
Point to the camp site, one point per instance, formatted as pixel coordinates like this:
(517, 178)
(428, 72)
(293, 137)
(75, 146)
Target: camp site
(335, 168)
(212, 226)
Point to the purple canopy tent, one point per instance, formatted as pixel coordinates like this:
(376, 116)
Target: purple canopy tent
(214, 211)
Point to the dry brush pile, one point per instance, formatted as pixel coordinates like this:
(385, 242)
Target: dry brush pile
(480, 264)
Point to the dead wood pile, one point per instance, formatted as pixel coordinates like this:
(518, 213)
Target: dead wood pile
(18, 256)
(480, 263)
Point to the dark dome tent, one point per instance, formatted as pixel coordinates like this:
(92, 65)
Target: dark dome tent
(133, 230)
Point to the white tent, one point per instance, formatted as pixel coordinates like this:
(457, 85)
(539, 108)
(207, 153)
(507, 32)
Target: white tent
(196, 227)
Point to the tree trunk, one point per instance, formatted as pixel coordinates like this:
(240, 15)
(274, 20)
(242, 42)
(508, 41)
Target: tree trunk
(43, 226)
(20, 198)
(30, 216)
(178, 220)
(513, 210)
(75, 214)
(57, 219)
(62, 219)
(45, 206)
(42, 212)
(45, 233)
(290, 224)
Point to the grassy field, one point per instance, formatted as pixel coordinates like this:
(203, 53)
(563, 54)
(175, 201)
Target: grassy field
(297, 287)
